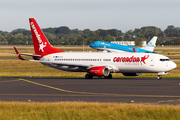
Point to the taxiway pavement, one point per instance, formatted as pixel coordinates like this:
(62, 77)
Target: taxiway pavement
(126, 90)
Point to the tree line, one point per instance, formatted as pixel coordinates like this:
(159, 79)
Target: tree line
(65, 36)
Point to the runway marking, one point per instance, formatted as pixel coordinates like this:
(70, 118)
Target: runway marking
(47, 95)
(10, 81)
(168, 101)
(104, 94)
(109, 83)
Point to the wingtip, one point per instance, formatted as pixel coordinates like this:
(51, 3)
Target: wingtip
(19, 56)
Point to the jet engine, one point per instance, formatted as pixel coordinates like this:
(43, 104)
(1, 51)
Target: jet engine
(99, 71)
(132, 74)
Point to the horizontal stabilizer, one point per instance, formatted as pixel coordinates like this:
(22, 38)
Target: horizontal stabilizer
(30, 55)
(20, 57)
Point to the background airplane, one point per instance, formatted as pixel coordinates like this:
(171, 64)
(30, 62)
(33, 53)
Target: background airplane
(111, 47)
(95, 63)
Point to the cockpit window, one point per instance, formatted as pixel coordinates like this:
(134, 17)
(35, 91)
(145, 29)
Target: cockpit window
(164, 60)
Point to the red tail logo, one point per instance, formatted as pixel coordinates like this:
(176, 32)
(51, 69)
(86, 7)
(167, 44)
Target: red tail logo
(41, 44)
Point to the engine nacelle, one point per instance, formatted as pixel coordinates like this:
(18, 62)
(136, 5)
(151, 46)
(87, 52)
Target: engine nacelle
(99, 71)
(132, 74)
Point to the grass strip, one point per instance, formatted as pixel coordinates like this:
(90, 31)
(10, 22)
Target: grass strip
(85, 110)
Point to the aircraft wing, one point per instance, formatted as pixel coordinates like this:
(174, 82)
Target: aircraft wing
(85, 66)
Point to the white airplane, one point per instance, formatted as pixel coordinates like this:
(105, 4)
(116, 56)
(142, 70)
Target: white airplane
(95, 63)
(111, 47)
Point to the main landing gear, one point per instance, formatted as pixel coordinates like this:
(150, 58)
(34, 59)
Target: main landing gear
(88, 76)
(108, 77)
(159, 77)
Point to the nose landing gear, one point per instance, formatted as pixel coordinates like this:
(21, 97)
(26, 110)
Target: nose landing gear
(159, 77)
(161, 73)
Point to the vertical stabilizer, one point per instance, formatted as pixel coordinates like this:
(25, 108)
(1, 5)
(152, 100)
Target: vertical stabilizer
(152, 43)
(41, 44)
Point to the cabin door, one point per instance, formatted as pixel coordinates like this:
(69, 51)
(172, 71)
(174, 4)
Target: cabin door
(152, 61)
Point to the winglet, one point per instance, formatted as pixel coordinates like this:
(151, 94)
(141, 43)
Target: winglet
(19, 56)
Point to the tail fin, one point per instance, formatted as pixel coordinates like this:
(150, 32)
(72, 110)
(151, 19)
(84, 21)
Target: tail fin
(41, 44)
(152, 43)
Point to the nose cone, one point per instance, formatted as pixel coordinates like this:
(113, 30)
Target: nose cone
(91, 45)
(172, 65)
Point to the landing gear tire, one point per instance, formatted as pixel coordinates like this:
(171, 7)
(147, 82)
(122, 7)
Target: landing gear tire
(88, 76)
(108, 77)
(159, 77)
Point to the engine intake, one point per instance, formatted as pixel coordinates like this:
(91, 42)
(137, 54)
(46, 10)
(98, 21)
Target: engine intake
(131, 74)
(99, 71)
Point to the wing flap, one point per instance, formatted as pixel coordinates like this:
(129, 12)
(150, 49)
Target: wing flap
(65, 64)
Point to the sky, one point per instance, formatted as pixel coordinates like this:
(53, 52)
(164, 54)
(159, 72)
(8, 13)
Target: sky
(89, 14)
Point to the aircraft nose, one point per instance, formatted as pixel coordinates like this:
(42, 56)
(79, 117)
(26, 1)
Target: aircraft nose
(173, 65)
(91, 45)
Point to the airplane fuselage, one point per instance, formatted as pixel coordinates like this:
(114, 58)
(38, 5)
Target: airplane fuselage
(119, 62)
(111, 47)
